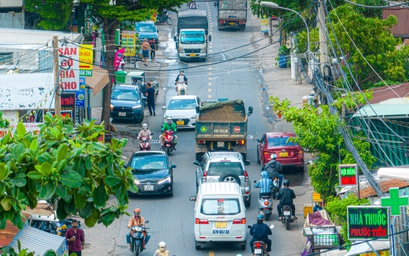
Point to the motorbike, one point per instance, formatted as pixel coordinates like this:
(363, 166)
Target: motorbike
(286, 214)
(137, 239)
(145, 143)
(192, 5)
(181, 88)
(259, 247)
(265, 204)
(168, 141)
(164, 18)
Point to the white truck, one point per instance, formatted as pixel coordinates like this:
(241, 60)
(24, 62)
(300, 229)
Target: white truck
(231, 14)
(192, 35)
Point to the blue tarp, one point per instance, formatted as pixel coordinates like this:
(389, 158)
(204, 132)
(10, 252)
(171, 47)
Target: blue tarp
(39, 241)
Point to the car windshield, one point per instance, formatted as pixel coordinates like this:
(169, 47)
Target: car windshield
(145, 28)
(177, 104)
(221, 206)
(220, 168)
(149, 163)
(280, 141)
(128, 95)
(192, 37)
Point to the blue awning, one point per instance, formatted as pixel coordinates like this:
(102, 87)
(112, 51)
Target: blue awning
(39, 241)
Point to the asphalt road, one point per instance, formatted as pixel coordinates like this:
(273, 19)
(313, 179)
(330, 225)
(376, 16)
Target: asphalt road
(171, 219)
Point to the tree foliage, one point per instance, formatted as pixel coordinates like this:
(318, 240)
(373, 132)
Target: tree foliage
(66, 165)
(317, 130)
(55, 14)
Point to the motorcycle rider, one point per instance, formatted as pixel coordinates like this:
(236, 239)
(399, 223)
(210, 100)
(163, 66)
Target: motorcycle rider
(145, 132)
(274, 168)
(138, 220)
(181, 78)
(260, 232)
(265, 185)
(169, 125)
(161, 251)
(286, 196)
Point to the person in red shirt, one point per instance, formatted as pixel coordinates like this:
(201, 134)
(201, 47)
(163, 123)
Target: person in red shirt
(75, 238)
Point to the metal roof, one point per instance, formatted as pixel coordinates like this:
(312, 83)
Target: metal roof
(401, 29)
(39, 241)
(383, 110)
(23, 37)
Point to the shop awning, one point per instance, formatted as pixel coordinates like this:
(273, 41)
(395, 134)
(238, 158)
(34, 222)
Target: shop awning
(394, 173)
(98, 80)
(39, 241)
(362, 247)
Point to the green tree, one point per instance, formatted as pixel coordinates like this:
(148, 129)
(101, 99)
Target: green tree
(317, 131)
(66, 165)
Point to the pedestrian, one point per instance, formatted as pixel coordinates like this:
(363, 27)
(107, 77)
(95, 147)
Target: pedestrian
(150, 95)
(145, 50)
(75, 238)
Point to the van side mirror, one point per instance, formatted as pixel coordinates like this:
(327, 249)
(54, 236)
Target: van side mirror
(257, 140)
(210, 38)
(197, 109)
(196, 163)
(250, 111)
(192, 198)
(248, 162)
(173, 166)
(175, 38)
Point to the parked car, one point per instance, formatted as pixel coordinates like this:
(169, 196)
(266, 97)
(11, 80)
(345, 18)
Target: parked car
(153, 172)
(288, 153)
(148, 30)
(224, 166)
(183, 109)
(127, 103)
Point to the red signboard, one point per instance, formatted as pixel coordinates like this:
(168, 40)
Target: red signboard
(348, 174)
(237, 129)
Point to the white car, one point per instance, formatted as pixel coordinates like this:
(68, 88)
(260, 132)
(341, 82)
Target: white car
(183, 109)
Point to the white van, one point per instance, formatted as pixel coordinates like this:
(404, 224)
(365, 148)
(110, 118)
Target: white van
(220, 214)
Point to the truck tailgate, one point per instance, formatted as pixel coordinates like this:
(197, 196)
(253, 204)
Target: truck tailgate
(223, 130)
(233, 14)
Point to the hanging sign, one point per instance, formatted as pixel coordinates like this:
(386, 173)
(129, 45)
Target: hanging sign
(348, 174)
(367, 223)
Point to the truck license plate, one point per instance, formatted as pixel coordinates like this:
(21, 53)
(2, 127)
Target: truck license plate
(121, 114)
(180, 122)
(231, 23)
(220, 144)
(192, 55)
(148, 187)
(257, 251)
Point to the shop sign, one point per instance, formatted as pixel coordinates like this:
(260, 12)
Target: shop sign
(367, 223)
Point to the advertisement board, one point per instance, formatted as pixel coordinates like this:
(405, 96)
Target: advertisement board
(86, 59)
(348, 174)
(69, 67)
(128, 41)
(367, 223)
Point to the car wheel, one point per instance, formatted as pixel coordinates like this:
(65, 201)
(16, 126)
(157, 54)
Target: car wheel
(244, 156)
(197, 246)
(140, 120)
(230, 177)
(258, 157)
(243, 247)
(247, 203)
(301, 169)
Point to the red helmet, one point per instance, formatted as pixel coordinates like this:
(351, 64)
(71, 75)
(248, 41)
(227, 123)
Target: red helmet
(137, 210)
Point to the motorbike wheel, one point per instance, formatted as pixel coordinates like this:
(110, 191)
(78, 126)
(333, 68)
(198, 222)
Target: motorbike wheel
(267, 217)
(287, 224)
(168, 21)
(137, 248)
(168, 150)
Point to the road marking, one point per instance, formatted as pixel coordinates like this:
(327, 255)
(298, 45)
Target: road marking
(210, 78)
(209, 90)
(210, 68)
(211, 253)
(209, 84)
(210, 50)
(209, 96)
(210, 73)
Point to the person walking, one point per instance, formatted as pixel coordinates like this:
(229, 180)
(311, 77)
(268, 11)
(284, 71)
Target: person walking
(150, 95)
(75, 238)
(145, 51)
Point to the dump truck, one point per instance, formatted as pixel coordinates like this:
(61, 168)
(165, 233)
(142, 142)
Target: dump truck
(231, 14)
(192, 35)
(222, 126)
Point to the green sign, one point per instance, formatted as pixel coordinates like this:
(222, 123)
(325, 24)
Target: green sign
(348, 174)
(368, 222)
(203, 129)
(85, 72)
(394, 201)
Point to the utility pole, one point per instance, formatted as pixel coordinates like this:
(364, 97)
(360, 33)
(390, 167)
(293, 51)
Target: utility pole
(322, 35)
(57, 94)
(270, 22)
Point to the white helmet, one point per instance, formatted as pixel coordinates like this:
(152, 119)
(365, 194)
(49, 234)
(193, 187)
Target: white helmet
(273, 156)
(169, 120)
(162, 246)
(145, 126)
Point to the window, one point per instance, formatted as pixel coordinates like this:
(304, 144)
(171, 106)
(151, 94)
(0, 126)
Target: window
(220, 206)
(128, 95)
(182, 104)
(280, 141)
(149, 163)
(220, 168)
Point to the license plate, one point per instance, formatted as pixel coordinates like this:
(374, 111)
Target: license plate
(232, 23)
(180, 122)
(258, 251)
(221, 224)
(283, 154)
(121, 114)
(220, 144)
(287, 213)
(148, 187)
(192, 55)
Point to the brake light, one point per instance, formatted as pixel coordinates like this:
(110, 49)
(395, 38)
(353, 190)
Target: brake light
(200, 221)
(222, 21)
(239, 221)
(242, 22)
(201, 142)
(241, 142)
(300, 152)
(257, 245)
(266, 202)
(246, 176)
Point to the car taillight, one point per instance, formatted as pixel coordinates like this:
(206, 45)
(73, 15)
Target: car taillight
(201, 142)
(204, 176)
(241, 142)
(266, 203)
(200, 221)
(267, 155)
(239, 221)
(242, 22)
(222, 21)
(257, 245)
(246, 176)
(300, 152)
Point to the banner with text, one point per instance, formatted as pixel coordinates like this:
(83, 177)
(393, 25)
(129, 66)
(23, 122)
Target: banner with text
(86, 59)
(69, 67)
(128, 41)
(367, 223)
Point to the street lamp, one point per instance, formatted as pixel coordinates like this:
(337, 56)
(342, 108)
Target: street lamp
(276, 6)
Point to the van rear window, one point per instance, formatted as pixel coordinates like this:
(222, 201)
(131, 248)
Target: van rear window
(220, 206)
(220, 168)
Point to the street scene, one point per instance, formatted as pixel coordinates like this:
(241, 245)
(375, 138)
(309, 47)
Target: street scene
(219, 128)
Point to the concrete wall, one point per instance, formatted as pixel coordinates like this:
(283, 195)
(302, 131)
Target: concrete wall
(12, 20)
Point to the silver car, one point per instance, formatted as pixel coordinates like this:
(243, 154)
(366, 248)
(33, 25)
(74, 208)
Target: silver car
(224, 166)
(183, 109)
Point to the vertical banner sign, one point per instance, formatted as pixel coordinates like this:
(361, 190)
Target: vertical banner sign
(128, 41)
(348, 174)
(69, 67)
(118, 57)
(86, 59)
(367, 223)
(264, 25)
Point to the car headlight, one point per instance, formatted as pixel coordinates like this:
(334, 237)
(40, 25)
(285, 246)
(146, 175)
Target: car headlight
(166, 180)
(193, 117)
(136, 182)
(137, 107)
(111, 107)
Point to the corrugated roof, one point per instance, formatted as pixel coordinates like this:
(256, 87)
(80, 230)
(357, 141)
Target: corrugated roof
(387, 92)
(385, 185)
(21, 37)
(39, 241)
(401, 29)
(384, 110)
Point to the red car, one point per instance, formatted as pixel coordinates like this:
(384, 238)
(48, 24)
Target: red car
(288, 153)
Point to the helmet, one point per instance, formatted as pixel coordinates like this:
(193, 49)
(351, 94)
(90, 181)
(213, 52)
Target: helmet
(260, 217)
(273, 156)
(286, 183)
(137, 210)
(145, 126)
(181, 71)
(162, 246)
(264, 174)
(169, 120)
